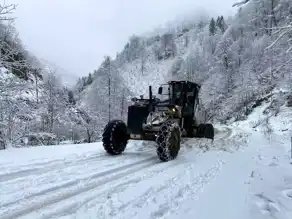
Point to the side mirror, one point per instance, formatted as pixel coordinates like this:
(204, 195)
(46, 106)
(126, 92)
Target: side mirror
(160, 90)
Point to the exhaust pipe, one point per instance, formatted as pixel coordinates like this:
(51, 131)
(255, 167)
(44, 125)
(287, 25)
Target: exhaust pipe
(150, 93)
(150, 100)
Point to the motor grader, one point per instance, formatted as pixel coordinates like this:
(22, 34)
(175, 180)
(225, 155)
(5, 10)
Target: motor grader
(164, 121)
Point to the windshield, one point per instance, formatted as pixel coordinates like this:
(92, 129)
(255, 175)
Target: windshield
(176, 93)
(172, 91)
(166, 92)
(177, 88)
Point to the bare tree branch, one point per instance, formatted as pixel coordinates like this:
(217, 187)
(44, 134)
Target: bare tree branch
(6, 10)
(279, 37)
(238, 4)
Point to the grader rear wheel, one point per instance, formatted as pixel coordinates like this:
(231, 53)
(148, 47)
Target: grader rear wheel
(205, 131)
(115, 137)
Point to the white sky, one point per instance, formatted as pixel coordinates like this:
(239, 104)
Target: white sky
(77, 34)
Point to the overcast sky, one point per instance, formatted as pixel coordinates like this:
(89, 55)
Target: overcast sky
(77, 34)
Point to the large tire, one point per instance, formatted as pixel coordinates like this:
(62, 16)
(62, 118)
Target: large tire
(205, 131)
(168, 141)
(115, 137)
(209, 131)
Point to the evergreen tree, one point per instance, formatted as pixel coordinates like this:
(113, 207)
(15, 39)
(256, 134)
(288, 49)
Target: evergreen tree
(201, 26)
(89, 79)
(71, 98)
(220, 23)
(212, 27)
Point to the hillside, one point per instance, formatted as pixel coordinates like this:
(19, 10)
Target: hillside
(36, 108)
(237, 62)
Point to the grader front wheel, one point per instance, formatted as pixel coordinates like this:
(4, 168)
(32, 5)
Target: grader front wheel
(168, 141)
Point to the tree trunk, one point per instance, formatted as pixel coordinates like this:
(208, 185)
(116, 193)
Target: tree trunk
(109, 94)
(88, 136)
(122, 104)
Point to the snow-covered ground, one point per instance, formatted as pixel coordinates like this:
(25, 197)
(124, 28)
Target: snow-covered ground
(243, 174)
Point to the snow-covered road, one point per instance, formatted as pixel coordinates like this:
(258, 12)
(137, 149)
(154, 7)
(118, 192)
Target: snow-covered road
(81, 181)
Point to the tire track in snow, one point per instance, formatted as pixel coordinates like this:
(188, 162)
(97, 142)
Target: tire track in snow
(42, 170)
(166, 197)
(55, 194)
(53, 165)
(41, 163)
(60, 192)
(223, 134)
(116, 186)
(176, 187)
(107, 162)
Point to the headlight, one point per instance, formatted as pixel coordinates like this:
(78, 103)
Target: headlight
(172, 110)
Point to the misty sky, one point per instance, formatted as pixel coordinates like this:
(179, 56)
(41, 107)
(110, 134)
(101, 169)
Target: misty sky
(77, 34)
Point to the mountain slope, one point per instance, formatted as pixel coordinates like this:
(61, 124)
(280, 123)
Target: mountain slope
(237, 63)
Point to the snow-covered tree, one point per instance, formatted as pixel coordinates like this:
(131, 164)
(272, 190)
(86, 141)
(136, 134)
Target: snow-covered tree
(168, 47)
(212, 27)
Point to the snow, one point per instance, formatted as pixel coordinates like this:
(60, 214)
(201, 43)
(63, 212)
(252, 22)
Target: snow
(272, 182)
(154, 75)
(3, 73)
(245, 173)
(155, 72)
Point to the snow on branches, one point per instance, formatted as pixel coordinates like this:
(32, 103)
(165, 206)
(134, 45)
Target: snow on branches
(238, 4)
(6, 10)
